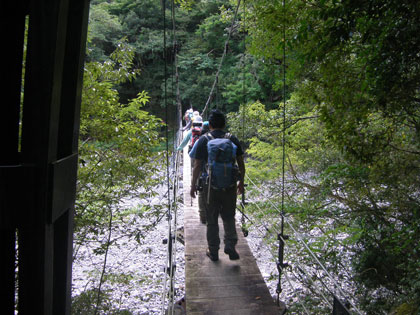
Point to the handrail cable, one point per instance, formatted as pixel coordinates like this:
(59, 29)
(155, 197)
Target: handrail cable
(170, 269)
(167, 149)
(339, 242)
(216, 79)
(295, 263)
(259, 208)
(172, 244)
(176, 204)
(258, 230)
(283, 219)
(172, 233)
(259, 221)
(171, 252)
(273, 255)
(301, 240)
(313, 283)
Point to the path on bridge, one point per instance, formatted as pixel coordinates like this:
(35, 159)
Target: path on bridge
(223, 287)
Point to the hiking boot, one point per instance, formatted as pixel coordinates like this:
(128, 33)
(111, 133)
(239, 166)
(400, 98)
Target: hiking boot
(214, 256)
(233, 254)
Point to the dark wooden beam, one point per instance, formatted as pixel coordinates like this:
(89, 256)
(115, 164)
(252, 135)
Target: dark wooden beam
(38, 165)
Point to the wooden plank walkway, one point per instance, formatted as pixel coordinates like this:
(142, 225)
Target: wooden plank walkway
(223, 287)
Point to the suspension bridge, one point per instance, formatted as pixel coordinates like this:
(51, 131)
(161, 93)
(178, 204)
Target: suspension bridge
(225, 286)
(236, 287)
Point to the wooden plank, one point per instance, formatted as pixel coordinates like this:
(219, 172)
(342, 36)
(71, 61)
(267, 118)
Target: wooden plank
(224, 287)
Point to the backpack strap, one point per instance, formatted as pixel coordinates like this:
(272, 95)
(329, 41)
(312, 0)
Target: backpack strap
(209, 136)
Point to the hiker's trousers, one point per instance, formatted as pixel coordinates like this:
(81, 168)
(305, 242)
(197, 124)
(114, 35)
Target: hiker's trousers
(221, 202)
(202, 204)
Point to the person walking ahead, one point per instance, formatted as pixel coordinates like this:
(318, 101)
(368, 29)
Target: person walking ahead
(216, 148)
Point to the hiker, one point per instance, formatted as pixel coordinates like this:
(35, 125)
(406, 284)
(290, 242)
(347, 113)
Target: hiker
(188, 121)
(219, 150)
(195, 115)
(192, 135)
(201, 184)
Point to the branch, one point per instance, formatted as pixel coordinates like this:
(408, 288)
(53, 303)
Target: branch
(403, 150)
(221, 61)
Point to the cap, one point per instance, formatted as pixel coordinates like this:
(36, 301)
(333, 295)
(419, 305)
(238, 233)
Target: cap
(198, 120)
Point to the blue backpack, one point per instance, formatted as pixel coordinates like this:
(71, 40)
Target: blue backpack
(221, 161)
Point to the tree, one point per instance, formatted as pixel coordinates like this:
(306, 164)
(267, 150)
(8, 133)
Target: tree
(118, 158)
(352, 65)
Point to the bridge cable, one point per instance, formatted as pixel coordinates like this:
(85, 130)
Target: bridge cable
(244, 100)
(281, 237)
(270, 250)
(172, 207)
(273, 255)
(300, 268)
(300, 239)
(167, 152)
(175, 65)
(175, 163)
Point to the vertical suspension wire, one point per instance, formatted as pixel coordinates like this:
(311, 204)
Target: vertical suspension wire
(168, 269)
(175, 66)
(281, 237)
(243, 74)
(284, 117)
(244, 230)
(176, 156)
(167, 147)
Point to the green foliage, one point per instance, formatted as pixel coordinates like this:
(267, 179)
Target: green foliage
(352, 137)
(83, 304)
(352, 132)
(117, 159)
(201, 29)
(104, 32)
(116, 141)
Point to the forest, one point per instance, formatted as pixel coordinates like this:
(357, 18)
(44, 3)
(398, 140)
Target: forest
(323, 94)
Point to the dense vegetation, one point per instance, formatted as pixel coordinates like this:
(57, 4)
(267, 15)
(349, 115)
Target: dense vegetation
(351, 126)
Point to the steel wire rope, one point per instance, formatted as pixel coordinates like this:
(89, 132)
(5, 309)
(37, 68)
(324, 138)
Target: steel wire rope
(338, 241)
(175, 66)
(175, 167)
(283, 219)
(221, 60)
(290, 283)
(273, 255)
(169, 257)
(245, 232)
(302, 241)
(271, 233)
(263, 234)
(270, 250)
(346, 271)
(175, 221)
(281, 236)
(171, 252)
